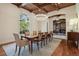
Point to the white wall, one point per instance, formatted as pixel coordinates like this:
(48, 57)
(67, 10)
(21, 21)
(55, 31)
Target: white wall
(77, 10)
(10, 16)
(42, 25)
(9, 22)
(42, 22)
(70, 13)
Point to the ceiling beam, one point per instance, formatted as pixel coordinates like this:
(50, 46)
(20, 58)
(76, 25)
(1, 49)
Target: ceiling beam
(17, 4)
(58, 15)
(41, 5)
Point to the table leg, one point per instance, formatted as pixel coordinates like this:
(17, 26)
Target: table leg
(38, 45)
(41, 43)
(78, 44)
(31, 47)
(44, 42)
(19, 51)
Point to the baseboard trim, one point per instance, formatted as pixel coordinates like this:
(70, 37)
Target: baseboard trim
(7, 43)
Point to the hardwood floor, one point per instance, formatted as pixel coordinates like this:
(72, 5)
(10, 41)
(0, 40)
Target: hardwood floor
(61, 50)
(2, 52)
(64, 50)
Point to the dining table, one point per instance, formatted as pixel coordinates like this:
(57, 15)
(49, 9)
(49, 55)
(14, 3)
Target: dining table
(34, 38)
(31, 39)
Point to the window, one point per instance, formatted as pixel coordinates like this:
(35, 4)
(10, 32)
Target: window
(24, 23)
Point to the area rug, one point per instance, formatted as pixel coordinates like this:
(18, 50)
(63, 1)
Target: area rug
(45, 51)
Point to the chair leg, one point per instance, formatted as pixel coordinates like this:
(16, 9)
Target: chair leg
(44, 42)
(19, 51)
(16, 48)
(29, 47)
(41, 44)
(38, 45)
(49, 39)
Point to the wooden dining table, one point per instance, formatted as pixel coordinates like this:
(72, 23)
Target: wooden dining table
(34, 38)
(31, 39)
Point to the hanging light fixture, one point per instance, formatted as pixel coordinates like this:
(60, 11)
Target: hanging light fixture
(41, 17)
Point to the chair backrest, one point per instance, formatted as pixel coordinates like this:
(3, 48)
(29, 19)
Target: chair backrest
(39, 35)
(51, 33)
(27, 33)
(19, 42)
(46, 33)
(34, 33)
(16, 36)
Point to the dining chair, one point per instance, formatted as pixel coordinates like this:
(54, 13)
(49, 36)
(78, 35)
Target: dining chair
(33, 40)
(40, 39)
(26, 33)
(34, 32)
(43, 38)
(46, 33)
(19, 43)
(49, 37)
(51, 34)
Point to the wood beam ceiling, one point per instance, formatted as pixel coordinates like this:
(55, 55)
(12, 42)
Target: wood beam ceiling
(43, 7)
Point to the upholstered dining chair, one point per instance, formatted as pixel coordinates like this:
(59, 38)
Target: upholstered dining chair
(40, 38)
(19, 43)
(33, 40)
(34, 32)
(44, 38)
(26, 33)
(51, 34)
